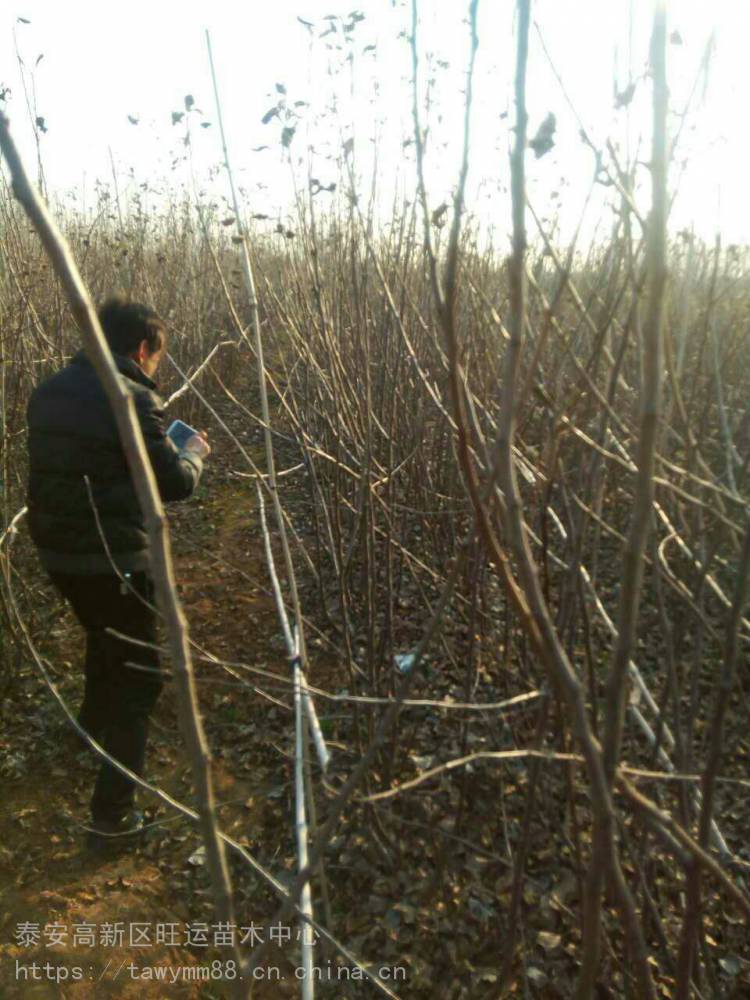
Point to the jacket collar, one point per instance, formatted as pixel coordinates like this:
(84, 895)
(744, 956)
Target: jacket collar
(126, 366)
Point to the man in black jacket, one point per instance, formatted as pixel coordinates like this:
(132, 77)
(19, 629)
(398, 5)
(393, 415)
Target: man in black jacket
(86, 522)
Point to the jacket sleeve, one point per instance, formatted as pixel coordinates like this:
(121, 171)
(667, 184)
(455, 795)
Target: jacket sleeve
(177, 472)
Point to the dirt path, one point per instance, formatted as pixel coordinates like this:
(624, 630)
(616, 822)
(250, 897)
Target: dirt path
(65, 907)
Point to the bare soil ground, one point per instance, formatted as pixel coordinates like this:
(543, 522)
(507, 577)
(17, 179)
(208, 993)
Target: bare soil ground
(419, 892)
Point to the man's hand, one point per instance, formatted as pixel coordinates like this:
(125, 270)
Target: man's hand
(198, 443)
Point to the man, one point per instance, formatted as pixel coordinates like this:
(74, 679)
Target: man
(86, 522)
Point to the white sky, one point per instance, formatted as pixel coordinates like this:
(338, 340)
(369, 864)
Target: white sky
(103, 61)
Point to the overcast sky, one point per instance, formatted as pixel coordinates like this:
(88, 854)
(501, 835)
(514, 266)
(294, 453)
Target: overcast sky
(103, 62)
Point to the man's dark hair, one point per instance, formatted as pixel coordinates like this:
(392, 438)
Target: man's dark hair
(125, 324)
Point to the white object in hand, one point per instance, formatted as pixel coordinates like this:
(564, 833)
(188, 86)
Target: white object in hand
(198, 445)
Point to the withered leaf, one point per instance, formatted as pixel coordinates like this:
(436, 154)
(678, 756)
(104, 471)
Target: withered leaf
(438, 216)
(624, 97)
(543, 141)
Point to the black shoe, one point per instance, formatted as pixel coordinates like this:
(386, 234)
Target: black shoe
(122, 832)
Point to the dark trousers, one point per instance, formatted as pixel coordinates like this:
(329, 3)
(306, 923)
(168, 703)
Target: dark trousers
(118, 699)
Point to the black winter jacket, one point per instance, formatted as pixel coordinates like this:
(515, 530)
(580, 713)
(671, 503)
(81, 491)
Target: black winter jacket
(73, 435)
